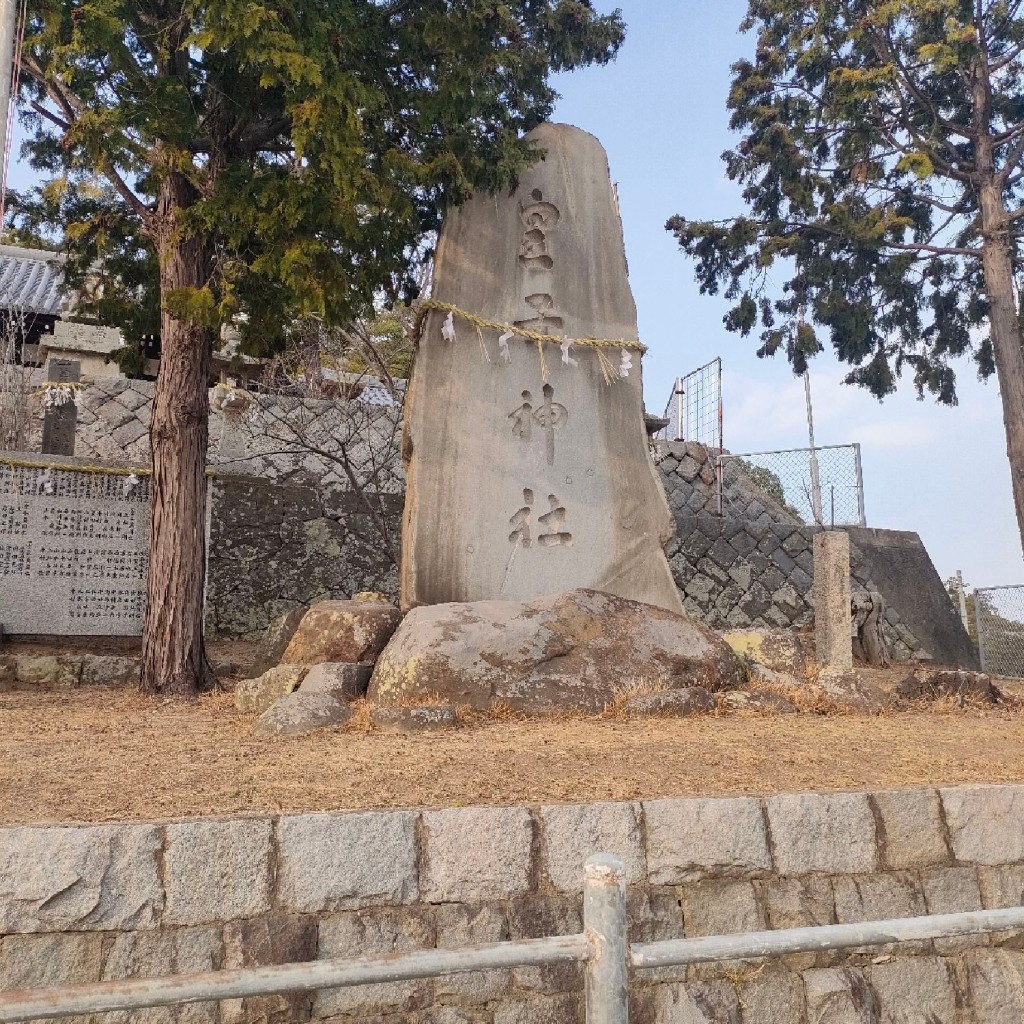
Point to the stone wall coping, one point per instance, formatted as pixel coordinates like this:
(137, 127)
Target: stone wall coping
(59, 877)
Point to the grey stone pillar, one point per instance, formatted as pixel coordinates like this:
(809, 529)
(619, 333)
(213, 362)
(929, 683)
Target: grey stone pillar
(832, 637)
(61, 421)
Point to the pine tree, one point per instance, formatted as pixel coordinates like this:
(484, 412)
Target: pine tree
(881, 159)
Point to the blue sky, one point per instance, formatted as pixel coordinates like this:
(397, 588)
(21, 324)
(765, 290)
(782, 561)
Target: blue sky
(660, 112)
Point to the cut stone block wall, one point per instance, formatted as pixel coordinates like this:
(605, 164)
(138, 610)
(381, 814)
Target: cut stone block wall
(274, 549)
(278, 547)
(737, 573)
(324, 443)
(101, 902)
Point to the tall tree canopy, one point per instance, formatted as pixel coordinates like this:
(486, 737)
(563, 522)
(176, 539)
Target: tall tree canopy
(881, 159)
(256, 160)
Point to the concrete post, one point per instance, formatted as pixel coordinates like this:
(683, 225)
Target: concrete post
(832, 635)
(604, 923)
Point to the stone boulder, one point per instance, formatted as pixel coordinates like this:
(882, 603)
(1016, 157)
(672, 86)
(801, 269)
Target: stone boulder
(690, 700)
(782, 650)
(852, 692)
(931, 684)
(348, 631)
(274, 642)
(346, 682)
(762, 702)
(406, 721)
(299, 713)
(572, 651)
(259, 693)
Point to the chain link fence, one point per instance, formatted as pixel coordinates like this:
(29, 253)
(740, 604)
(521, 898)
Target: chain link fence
(999, 612)
(819, 485)
(694, 410)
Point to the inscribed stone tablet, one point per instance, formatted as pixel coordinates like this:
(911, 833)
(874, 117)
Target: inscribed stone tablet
(60, 423)
(73, 552)
(518, 485)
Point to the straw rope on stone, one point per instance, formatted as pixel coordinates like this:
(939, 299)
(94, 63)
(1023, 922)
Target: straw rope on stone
(74, 467)
(601, 346)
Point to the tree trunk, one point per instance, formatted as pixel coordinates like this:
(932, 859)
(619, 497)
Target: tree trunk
(173, 655)
(1006, 341)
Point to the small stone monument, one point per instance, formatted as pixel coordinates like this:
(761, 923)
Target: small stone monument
(527, 461)
(60, 422)
(832, 618)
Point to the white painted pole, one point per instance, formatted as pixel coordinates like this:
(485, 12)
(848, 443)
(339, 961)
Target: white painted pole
(815, 477)
(604, 924)
(963, 601)
(8, 29)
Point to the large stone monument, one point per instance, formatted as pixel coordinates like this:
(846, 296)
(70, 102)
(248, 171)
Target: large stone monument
(527, 461)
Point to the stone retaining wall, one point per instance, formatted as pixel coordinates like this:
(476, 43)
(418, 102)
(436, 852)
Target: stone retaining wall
(83, 904)
(277, 547)
(735, 573)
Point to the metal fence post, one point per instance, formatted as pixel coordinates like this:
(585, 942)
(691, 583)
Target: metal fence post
(979, 626)
(859, 469)
(604, 924)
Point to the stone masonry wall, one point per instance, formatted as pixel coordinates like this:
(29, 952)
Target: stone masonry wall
(754, 568)
(103, 902)
(310, 540)
(274, 547)
(737, 573)
(325, 443)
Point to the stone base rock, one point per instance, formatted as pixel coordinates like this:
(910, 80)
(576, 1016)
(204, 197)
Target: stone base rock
(930, 685)
(691, 700)
(571, 651)
(782, 650)
(258, 694)
(852, 692)
(760, 701)
(297, 713)
(346, 682)
(348, 631)
(411, 720)
(276, 639)
(759, 675)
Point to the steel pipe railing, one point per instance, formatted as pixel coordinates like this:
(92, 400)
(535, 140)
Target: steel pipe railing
(602, 947)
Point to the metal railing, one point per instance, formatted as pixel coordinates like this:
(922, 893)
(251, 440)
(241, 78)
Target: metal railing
(814, 485)
(694, 410)
(602, 948)
(999, 617)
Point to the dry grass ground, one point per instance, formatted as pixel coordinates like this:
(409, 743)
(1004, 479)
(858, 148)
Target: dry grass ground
(107, 755)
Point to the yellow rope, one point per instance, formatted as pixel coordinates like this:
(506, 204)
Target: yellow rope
(540, 339)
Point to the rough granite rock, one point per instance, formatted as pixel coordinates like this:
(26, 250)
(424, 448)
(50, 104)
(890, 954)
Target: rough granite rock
(575, 650)
(275, 642)
(529, 476)
(761, 701)
(109, 670)
(781, 650)
(929, 684)
(346, 682)
(853, 692)
(296, 714)
(418, 719)
(691, 700)
(258, 694)
(348, 631)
